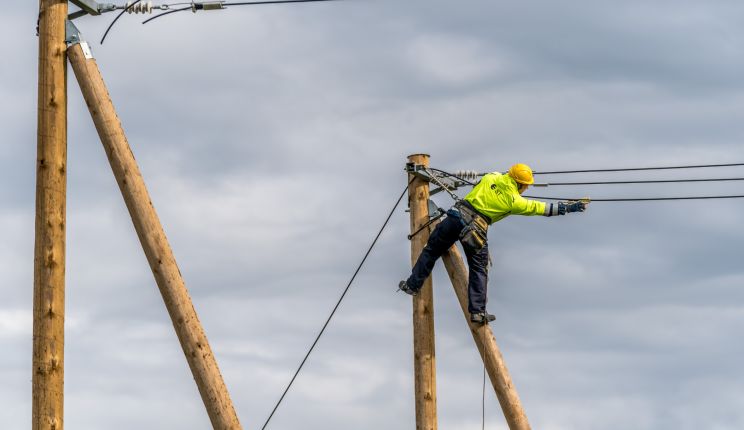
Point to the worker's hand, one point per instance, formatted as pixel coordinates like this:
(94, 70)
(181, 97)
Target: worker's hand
(568, 207)
(576, 207)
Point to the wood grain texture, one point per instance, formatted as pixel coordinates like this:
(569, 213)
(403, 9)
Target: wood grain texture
(159, 255)
(487, 346)
(423, 308)
(47, 407)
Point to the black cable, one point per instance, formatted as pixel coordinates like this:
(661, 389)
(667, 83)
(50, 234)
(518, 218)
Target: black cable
(244, 3)
(653, 181)
(166, 13)
(126, 9)
(641, 199)
(660, 181)
(431, 221)
(631, 169)
(199, 6)
(639, 168)
(338, 303)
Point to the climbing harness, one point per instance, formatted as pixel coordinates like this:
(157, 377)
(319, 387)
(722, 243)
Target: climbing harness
(474, 233)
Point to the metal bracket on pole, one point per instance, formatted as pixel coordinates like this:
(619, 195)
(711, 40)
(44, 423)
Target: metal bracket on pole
(90, 7)
(422, 172)
(73, 36)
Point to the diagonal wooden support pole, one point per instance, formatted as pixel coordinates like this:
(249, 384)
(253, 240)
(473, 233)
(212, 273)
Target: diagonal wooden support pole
(152, 237)
(489, 350)
(51, 201)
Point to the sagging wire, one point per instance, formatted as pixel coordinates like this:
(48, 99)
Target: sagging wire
(144, 7)
(126, 9)
(222, 5)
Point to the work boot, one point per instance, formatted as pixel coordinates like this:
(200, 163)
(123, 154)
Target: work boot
(482, 317)
(403, 286)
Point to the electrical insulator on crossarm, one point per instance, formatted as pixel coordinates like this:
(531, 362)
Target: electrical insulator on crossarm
(141, 7)
(469, 175)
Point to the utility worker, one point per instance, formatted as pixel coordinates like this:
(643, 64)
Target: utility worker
(492, 199)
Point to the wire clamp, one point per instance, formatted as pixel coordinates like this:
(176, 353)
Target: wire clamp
(446, 183)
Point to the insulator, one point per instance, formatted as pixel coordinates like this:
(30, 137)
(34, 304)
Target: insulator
(469, 175)
(141, 7)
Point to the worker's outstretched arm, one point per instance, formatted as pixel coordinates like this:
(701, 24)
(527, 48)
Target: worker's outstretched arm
(522, 206)
(562, 208)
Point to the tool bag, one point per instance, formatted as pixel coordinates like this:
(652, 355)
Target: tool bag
(475, 232)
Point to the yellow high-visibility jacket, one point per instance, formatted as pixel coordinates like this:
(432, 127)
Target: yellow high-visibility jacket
(496, 196)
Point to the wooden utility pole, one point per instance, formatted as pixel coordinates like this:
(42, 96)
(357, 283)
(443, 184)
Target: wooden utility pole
(47, 406)
(423, 307)
(152, 237)
(489, 350)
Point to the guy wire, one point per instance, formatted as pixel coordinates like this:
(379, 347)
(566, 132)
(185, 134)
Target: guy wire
(338, 303)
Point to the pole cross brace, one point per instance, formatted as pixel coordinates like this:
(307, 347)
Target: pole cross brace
(90, 7)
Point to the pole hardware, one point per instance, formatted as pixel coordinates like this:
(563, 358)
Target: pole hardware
(446, 183)
(434, 215)
(90, 7)
(211, 5)
(434, 210)
(72, 34)
(74, 37)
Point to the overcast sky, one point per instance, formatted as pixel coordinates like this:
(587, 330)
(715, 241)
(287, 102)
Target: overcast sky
(273, 139)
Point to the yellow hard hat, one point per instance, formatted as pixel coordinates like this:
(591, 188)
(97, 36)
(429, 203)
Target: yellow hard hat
(522, 174)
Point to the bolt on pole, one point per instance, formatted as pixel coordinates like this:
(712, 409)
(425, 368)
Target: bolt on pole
(150, 231)
(47, 407)
(423, 307)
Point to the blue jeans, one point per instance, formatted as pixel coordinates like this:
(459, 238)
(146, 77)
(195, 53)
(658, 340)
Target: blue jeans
(442, 238)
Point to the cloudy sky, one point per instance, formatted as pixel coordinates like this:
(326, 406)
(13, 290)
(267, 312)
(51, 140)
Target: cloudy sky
(273, 139)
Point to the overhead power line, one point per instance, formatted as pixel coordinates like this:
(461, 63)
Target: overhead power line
(639, 199)
(465, 176)
(140, 6)
(222, 5)
(654, 181)
(126, 9)
(635, 169)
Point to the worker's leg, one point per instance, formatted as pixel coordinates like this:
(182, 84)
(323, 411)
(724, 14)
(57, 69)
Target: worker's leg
(477, 279)
(444, 235)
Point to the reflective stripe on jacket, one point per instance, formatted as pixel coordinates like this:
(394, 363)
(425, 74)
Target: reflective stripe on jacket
(496, 196)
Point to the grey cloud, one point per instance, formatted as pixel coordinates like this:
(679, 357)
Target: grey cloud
(273, 142)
